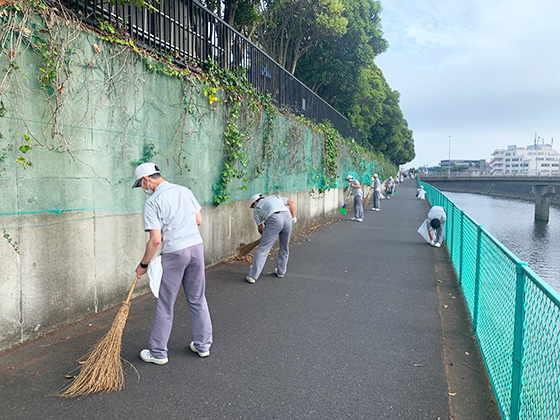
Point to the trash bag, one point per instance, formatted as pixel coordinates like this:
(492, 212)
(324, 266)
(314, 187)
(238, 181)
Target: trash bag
(423, 232)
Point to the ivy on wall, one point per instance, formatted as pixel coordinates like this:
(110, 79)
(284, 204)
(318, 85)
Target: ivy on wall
(51, 33)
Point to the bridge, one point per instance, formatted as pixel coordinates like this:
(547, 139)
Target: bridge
(542, 190)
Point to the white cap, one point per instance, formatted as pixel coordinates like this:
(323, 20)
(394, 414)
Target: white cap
(375, 175)
(254, 198)
(349, 177)
(146, 169)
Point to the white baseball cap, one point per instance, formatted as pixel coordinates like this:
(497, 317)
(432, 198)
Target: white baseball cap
(375, 175)
(254, 198)
(349, 177)
(146, 169)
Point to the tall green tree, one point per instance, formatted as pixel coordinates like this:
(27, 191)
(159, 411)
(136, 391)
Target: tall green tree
(343, 72)
(289, 28)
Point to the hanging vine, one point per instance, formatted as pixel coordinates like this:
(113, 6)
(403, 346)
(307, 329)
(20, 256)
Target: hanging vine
(244, 106)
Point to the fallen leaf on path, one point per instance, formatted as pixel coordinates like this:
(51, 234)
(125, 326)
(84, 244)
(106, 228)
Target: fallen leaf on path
(467, 353)
(452, 393)
(418, 365)
(96, 48)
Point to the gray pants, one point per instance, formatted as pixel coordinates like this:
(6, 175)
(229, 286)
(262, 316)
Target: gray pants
(184, 267)
(358, 207)
(277, 225)
(376, 199)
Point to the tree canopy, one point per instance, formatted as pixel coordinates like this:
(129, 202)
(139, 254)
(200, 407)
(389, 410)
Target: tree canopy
(331, 45)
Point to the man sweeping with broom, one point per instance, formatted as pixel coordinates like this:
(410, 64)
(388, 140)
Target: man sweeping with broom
(274, 216)
(172, 216)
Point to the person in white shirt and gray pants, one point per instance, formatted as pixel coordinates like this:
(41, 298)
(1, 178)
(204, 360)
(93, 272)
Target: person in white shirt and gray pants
(274, 216)
(376, 185)
(172, 217)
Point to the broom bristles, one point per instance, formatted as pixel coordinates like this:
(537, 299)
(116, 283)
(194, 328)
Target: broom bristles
(102, 371)
(365, 200)
(245, 249)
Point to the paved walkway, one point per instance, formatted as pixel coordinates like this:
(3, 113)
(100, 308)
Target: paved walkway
(369, 323)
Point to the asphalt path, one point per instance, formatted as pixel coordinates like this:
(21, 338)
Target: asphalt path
(357, 329)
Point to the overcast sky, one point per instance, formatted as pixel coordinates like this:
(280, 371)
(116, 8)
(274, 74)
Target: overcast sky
(484, 72)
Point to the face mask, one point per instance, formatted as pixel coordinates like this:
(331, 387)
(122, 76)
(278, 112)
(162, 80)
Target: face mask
(147, 191)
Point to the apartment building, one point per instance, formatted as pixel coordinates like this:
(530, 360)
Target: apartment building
(534, 160)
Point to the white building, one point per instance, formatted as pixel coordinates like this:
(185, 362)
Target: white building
(535, 160)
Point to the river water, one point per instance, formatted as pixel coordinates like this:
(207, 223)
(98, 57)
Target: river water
(512, 223)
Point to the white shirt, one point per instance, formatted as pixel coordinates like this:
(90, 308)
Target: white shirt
(356, 191)
(436, 212)
(267, 206)
(172, 209)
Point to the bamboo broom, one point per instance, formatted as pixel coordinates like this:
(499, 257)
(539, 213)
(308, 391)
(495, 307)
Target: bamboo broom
(365, 200)
(245, 249)
(103, 371)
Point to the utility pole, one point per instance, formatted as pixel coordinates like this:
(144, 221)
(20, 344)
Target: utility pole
(449, 160)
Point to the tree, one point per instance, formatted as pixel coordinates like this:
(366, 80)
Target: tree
(289, 28)
(241, 14)
(331, 67)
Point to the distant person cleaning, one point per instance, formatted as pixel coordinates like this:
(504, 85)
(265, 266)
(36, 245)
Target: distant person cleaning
(421, 193)
(376, 185)
(389, 187)
(435, 220)
(274, 216)
(356, 191)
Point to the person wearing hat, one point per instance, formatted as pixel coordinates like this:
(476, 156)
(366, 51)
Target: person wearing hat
(435, 220)
(274, 216)
(356, 191)
(421, 193)
(172, 217)
(389, 187)
(376, 185)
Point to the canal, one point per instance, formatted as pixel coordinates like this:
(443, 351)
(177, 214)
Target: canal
(512, 223)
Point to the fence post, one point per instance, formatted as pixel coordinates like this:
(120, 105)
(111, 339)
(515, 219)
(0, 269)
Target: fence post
(452, 231)
(461, 239)
(518, 330)
(477, 277)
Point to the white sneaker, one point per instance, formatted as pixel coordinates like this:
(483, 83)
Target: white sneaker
(250, 279)
(200, 353)
(353, 218)
(278, 275)
(147, 357)
(437, 245)
(359, 220)
(373, 209)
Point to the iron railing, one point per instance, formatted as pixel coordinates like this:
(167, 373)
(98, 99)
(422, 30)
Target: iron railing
(515, 316)
(188, 32)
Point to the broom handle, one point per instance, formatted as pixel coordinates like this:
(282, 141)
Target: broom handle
(131, 289)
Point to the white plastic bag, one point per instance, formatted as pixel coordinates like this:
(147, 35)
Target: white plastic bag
(423, 231)
(155, 271)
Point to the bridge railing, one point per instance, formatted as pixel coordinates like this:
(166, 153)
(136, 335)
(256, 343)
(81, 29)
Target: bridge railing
(514, 313)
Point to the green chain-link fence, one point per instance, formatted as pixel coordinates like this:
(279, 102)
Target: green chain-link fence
(515, 316)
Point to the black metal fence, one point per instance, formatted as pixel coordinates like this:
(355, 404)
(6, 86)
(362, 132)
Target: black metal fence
(188, 31)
